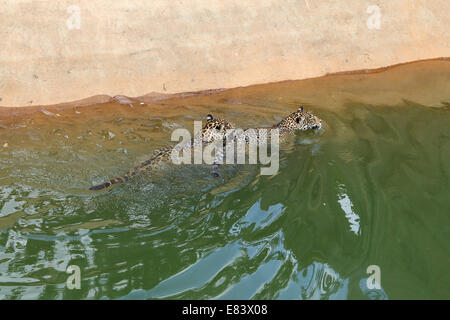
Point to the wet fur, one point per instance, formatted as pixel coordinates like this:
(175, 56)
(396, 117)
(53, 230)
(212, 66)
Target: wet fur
(213, 128)
(216, 128)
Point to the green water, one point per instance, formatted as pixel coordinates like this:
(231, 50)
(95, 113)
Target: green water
(372, 188)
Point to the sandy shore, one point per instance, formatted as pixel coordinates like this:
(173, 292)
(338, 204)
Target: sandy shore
(422, 82)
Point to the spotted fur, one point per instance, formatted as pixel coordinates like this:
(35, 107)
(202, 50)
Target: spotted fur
(213, 129)
(300, 120)
(217, 128)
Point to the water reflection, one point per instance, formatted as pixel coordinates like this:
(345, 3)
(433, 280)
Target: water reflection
(347, 206)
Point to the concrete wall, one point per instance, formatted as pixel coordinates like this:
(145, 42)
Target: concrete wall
(57, 51)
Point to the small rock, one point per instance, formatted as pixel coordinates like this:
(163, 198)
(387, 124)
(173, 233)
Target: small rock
(48, 113)
(122, 99)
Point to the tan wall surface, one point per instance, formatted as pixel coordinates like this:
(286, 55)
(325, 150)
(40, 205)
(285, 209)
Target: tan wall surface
(138, 46)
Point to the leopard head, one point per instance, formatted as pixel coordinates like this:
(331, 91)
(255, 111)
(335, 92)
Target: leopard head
(300, 120)
(215, 128)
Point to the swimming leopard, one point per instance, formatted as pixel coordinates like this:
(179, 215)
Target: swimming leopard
(217, 128)
(214, 128)
(300, 120)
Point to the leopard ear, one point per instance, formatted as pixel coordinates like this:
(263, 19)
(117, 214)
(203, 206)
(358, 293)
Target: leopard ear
(209, 117)
(300, 109)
